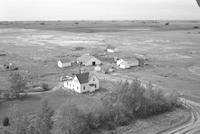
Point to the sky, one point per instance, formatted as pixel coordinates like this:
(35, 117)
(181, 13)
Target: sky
(16, 10)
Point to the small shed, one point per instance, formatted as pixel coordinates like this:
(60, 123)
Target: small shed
(111, 49)
(62, 63)
(128, 63)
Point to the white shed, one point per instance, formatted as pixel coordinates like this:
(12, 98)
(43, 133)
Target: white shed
(62, 63)
(128, 63)
(111, 49)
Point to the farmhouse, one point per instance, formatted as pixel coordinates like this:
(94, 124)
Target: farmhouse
(82, 82)
(127, 63)
(62, 63)
(88, 60)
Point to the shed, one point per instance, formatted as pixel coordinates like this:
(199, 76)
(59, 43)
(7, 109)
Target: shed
(128, 63)
(111, 49)
(62, 63)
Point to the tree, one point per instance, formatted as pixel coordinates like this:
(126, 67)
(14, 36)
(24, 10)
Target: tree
(44, 121)
(19, 122)
(18, 84)
(69, 120)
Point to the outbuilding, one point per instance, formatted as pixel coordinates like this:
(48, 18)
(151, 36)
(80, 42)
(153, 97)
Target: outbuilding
(111, 49)
(62, 63)
(128, 63)
(88, 60)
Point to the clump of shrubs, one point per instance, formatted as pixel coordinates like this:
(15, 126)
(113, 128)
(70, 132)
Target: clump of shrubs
(42, 23)
(70, 120)
(143, 101)
(6, 122)
(129, 102)
(195, 27)
(45, 87)
(167, 24)
(78, 48)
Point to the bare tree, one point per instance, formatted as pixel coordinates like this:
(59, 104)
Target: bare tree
(18, 84)
(44, 122)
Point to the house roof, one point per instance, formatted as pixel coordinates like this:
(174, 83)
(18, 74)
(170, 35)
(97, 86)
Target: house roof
(129, 61)
(110, 47)
(83, 77)
(65, 60)
(85, 58)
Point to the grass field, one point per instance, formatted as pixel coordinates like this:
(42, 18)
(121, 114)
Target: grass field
(173, 54)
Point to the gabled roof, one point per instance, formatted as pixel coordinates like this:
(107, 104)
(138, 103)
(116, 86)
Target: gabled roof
(85, 58)
(110, 47)
(83, 77)
(65, 60)
(132, 60)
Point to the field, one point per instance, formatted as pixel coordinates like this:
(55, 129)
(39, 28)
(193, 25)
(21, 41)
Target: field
(172, 50)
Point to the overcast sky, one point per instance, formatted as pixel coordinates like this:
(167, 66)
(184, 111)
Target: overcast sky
(98, 9)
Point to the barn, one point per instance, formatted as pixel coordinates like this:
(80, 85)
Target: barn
(88, 60)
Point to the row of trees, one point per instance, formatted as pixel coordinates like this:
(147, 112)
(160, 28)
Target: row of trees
(18, 86)
(129, 102)
(38, 123)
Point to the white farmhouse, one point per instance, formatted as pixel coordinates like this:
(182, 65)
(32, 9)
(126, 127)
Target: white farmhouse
(88, 60)
(83, 82)
(62, 63)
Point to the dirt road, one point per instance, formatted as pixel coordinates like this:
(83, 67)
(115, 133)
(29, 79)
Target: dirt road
(193, 125)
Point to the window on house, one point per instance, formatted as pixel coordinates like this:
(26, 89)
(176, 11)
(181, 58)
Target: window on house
(77, 87)
(93, 79)
(95, 85)
(83, 87)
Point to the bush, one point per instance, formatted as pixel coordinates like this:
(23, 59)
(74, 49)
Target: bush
(167, 24)
(6, 95)
(40, 123)
(134, 100)
(45, 87)
(42, 23)
(195, 27)
(6, 122)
